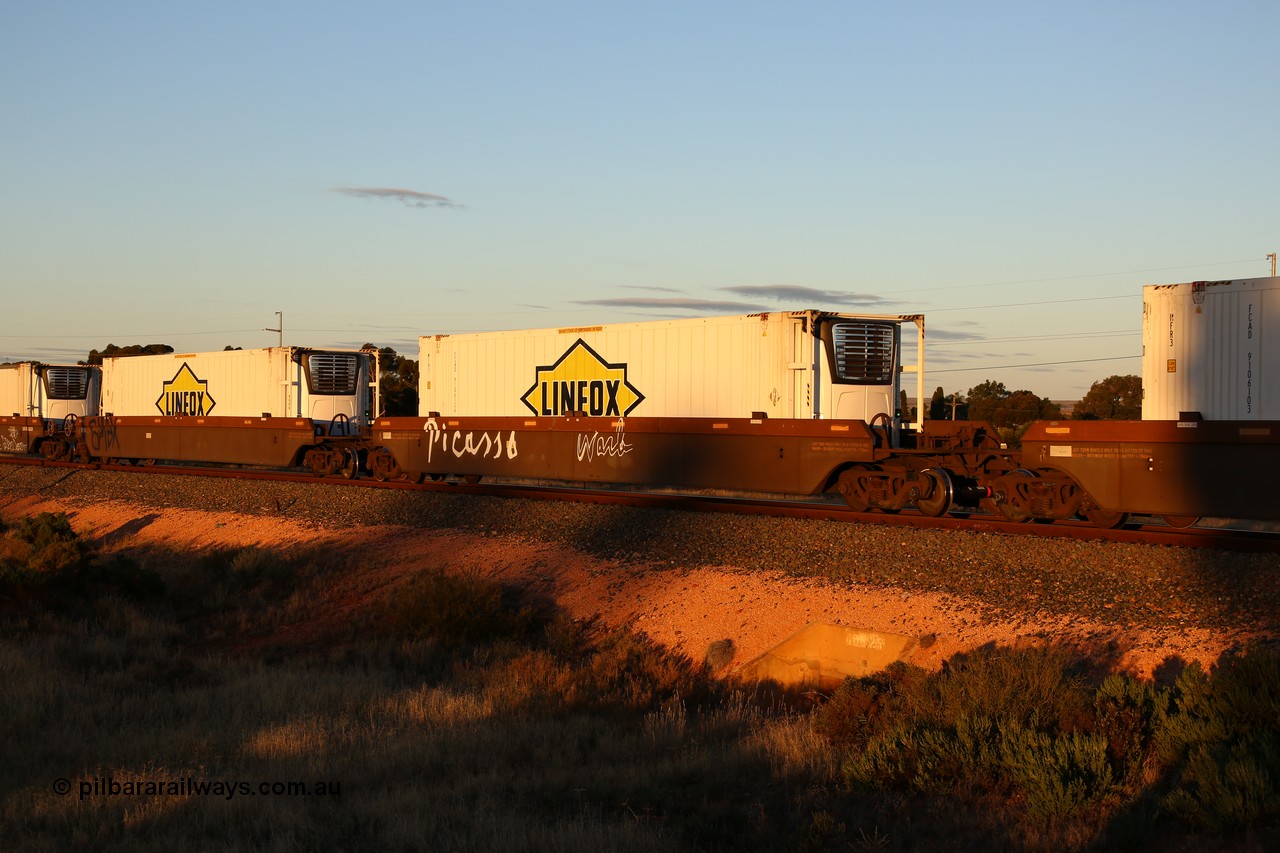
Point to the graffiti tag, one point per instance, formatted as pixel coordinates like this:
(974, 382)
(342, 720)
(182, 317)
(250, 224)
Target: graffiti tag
(481, 445)
(12, 441)
(596, 445)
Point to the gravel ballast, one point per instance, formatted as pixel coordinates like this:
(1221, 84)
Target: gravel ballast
(1009, 577)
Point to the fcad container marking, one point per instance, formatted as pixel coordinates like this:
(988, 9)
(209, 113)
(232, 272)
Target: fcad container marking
(581, 381)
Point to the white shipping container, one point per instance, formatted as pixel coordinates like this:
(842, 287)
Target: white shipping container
(1211, 347)
(32, 390)
(282, 382)
(786, 364)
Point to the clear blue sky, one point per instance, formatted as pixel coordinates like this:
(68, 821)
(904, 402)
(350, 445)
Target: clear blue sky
(178, 172)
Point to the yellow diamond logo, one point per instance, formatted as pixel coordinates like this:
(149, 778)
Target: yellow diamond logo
(582, 383)
(185, 394)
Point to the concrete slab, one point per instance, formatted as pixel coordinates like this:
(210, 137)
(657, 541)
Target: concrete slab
(822, 655)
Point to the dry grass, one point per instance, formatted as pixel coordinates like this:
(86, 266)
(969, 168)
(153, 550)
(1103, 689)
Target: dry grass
(460, 717)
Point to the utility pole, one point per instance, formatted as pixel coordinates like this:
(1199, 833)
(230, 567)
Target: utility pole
(1272, 257)
(280, 327)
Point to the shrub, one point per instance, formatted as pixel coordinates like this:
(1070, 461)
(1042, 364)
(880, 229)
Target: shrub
(628, 670)
(50, 553)
(251, 567)
(1222, 733)
(1009, 720)
(451, 610)
(46, 528)
(57, 567)
(852, 716)
(1057, 773)
(1127, 715)
(1032, 685)
(719, 655)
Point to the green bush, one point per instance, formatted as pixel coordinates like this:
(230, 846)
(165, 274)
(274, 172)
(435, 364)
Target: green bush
(50, 554)
(1057, 773)
(1011, 720)
(1128, 715)
(1221, 736)
(62, 571)
(46, 528)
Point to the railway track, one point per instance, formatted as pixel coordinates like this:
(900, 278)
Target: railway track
(1142, 531)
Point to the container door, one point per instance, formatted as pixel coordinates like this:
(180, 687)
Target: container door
(806, 392)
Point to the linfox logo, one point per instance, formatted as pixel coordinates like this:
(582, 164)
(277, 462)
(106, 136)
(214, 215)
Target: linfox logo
(185, 394)
(582, 381)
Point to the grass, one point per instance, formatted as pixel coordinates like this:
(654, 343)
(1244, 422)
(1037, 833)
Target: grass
(459, 715)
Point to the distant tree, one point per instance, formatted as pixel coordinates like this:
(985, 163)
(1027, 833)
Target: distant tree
(399, 380)
(1023, 407)
(947, 407)
(1113, 398)
(1010, 412)
(937, 405)
(905, 410)
(985, 400)
(113, 351)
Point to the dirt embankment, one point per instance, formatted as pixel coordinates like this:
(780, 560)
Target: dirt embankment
(686, 607)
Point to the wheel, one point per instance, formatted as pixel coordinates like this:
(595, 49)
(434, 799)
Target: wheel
(54, 449)
(471, 479)
(1103, 519)
(940, 493)
(1180, 521)
(350, 463)
(853, 486)
(1016, 505)
(319, 461)
(383, 465)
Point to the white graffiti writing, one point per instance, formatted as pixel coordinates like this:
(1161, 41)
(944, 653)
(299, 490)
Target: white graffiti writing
(12, 441)
(864, 641)
(460, 444)
(595, 445)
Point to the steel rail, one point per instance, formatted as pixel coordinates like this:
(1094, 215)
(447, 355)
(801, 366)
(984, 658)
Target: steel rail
(1153, 532)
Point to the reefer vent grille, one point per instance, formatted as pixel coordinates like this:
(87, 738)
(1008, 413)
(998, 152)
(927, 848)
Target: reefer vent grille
(864, 352)
(333, 372)
(66, 383)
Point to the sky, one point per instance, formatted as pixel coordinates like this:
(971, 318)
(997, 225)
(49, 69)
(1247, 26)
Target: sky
(179, 172)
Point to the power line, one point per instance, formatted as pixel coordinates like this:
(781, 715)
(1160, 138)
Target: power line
(1030, 304)
(1074, 277)
(935, 343)
(1036, 364)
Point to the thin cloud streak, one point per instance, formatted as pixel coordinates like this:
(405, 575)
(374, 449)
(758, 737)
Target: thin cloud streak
(674, 303)
(809, 296)
(409, 198)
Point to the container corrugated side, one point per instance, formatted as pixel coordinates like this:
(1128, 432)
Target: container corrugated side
(16, 389)
(1213, 348)
(243, 383)
(724, 366)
